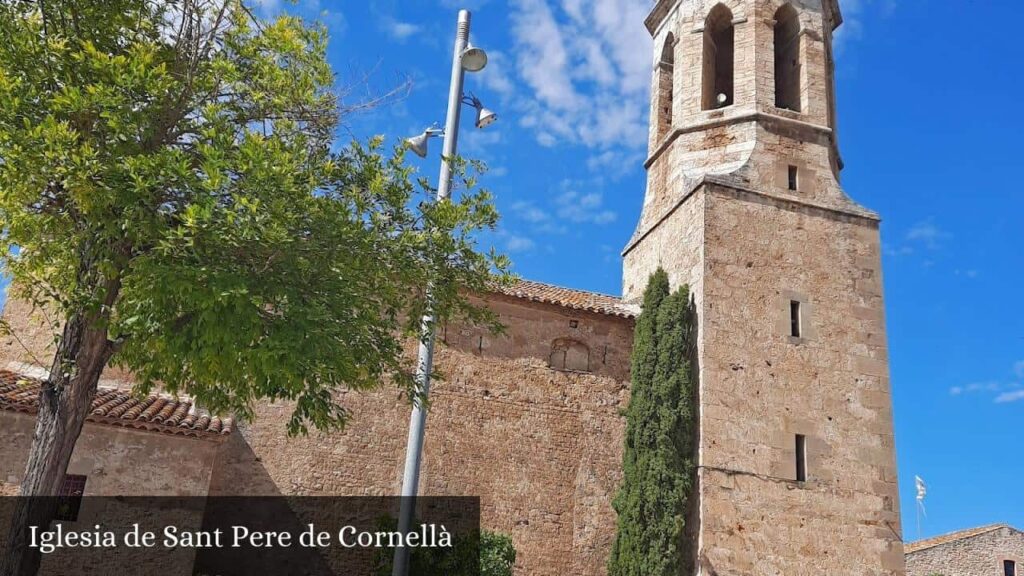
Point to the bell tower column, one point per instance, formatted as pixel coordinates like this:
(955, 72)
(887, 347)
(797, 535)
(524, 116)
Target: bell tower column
(797, 471)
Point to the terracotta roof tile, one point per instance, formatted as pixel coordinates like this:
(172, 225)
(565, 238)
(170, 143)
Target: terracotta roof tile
(161, 414)
(569, 298)
(951, 537)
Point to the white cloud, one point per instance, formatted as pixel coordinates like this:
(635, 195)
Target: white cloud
(527, 211)
(568, 206)
(541, 221)
(978, 387)
(890, 250)
(516, 243)
(583, 208)
(922, 235)
(308, 9)
(854, 13)
(496, 76)
(1004, 391)
(475, 143)
(927, 233)
(1007, 397)
(615, 164)
(399, 30)
(268, 7)
(586, 66)
(543, 60)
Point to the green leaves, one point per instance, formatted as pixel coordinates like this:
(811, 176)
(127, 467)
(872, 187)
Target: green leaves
(166, 169)
(659, 460)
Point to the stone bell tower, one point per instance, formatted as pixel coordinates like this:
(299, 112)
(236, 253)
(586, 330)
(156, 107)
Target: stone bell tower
(797, 469)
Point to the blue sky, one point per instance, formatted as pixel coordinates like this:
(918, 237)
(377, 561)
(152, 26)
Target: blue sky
(931, 138)
(930, 132)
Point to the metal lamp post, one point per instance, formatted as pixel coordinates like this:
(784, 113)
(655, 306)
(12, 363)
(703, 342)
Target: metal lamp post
(466, 58)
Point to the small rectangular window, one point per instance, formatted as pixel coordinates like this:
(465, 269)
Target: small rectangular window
(793, 173)
(1009, 568)
(801, 458)
(795, 327)
(69, 497)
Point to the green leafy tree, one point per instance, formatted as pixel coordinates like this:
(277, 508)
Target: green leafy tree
(659, 461)
(497, 554)
(483, 553)
(172, 195)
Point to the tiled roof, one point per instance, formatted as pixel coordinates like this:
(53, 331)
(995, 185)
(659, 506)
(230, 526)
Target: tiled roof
(569, 298)
(951, 537)
(114, 407)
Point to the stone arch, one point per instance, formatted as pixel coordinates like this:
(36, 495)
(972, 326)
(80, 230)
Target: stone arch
(719, 58)
(569, 354)
(666, 83)
(787, 58)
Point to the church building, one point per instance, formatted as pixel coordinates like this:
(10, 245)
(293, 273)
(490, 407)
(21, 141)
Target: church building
(743, 203)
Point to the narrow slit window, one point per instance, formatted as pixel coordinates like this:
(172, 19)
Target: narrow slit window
(801, 458)
(793, 175)
(795, 320)
(1009, 568)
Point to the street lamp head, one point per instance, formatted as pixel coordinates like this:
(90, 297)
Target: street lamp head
(485, 117)
(418, 144)
(473, 59)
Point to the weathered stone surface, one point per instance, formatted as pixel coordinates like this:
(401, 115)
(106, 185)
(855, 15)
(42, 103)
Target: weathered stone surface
(542, 446)
(116, 461)
(981, 554)
(720, 215)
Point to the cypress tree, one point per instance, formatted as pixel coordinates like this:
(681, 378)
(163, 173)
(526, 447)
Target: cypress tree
(659, 458)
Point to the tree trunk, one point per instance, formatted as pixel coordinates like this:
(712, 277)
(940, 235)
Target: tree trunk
(64, 402)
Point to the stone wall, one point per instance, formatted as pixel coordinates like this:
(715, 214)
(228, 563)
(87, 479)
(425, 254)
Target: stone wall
(29, 335)
(981, 555)
(746, 256)
(116, 461)
(541, 447)
(761, 386)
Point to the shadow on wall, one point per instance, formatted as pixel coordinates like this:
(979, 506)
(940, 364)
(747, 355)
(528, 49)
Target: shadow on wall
(239, 472)
(691, 530)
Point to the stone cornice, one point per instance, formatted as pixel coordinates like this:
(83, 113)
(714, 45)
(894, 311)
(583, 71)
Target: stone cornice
(762, 117)
(658, 14)
(662, 8)
(837, 15)
(853, 211)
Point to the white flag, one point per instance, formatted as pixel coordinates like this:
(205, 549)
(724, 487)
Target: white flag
(922, 491)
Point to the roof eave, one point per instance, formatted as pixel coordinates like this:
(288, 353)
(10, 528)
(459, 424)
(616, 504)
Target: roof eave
(836, 13)
(658, 14)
